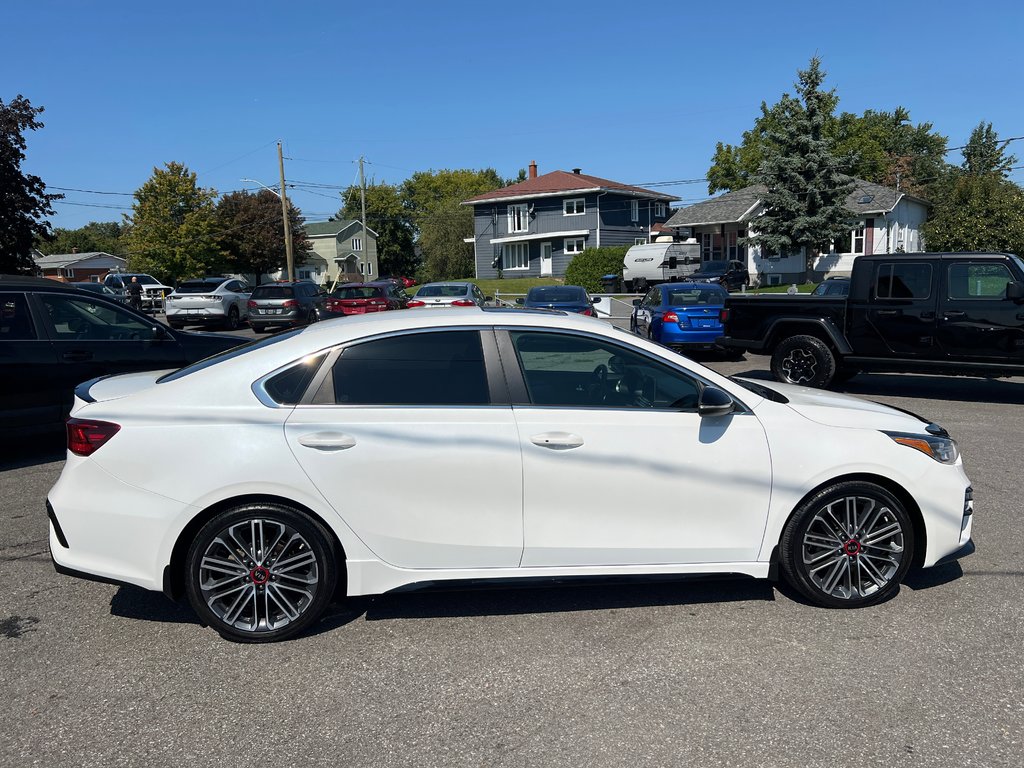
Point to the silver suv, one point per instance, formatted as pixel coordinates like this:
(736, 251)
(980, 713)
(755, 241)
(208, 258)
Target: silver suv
(285, 304)
(220, 301)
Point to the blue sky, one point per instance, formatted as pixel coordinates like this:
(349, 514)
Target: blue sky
(628, 91)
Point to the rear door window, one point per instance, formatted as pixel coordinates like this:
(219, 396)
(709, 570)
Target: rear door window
(903, 281)
(85, 319)
(15, 319)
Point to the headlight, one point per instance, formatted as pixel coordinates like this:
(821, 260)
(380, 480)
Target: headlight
(942, 448)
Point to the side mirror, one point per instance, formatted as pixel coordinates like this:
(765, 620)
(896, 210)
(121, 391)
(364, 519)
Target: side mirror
(1015, 290)
(488, 298)
(715, 402)
(159, 333)
(636, 302)
(596, 299)
(520, 300)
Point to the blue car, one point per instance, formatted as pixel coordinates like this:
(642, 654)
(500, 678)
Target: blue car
(680, 315)
(568, 298)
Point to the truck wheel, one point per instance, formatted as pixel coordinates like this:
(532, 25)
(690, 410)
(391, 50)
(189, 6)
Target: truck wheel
(804, 360)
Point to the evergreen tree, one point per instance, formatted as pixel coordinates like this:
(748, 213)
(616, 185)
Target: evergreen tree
(807, 191)
(23, 199)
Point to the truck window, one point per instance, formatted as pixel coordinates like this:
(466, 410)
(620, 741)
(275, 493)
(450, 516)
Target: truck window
(978, 281)
(903, 281)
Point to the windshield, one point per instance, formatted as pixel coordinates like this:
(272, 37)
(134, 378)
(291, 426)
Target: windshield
(713, 267)
(443, 290)
(358, 292)
(229, 354)
(682, 297)
(144, 279)
(272, 292)
(553, 294)
(198, 286)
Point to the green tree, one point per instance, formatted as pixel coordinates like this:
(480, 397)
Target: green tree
(24, 201)
(95, 236)
(433, 200)
(250, 232)
(172, 226)
(805, 201)
(587, 268)
(391, 220)
(984, 153)
(735, 166)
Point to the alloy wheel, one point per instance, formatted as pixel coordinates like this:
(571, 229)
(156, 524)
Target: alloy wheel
(853, 547)
(800, 366)
(259, 575)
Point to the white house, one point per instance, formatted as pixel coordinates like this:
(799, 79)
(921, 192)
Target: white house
(887, 221)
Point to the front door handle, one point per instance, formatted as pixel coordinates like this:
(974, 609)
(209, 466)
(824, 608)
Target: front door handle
(328, 441)
(887, 312)
(557, 441)
(954, 314)
(76, 356)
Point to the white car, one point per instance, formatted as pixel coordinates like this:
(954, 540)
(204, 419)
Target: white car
(448, 295)
(219, 301)
(540, 444)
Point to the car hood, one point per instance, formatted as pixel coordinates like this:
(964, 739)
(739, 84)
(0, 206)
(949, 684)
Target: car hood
(837, 410)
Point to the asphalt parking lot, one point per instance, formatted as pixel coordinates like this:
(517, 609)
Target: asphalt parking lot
(701, 673)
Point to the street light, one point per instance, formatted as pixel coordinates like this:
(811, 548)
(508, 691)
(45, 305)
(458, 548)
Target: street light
(260, 183)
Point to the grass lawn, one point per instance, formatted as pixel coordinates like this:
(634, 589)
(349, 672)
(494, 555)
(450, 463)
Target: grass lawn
(805, 288)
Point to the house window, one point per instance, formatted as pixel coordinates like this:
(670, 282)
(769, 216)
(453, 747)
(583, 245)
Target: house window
(69, 273)
(857, 240)
(361, 268)
(660, 210)
(369, 267)
(639, 241)
(517, 256)
(575, 207)
(575, 245)
(634, 210)
(305, 274)
(357, 244)
(518, 218)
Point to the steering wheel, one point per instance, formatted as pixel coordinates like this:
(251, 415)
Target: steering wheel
(598, 386)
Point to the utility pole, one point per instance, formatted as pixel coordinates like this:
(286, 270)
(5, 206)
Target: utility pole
(362, 200)
(284, 212)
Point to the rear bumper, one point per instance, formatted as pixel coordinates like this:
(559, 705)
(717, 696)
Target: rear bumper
(691, 338)
(207, 315)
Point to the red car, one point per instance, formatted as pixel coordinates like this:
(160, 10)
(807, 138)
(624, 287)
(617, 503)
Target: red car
(360, 298)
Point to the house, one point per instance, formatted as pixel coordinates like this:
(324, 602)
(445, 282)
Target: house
(535, 227)
(78, 267)
(340, 251)
(887, 221)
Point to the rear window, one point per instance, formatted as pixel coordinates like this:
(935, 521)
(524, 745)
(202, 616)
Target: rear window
(557, 294)
(272, 292)
(903, 281)
(229, 354)
(442, 290)
(198, 286)
(694, 296)
(288, 387)
(358, 292)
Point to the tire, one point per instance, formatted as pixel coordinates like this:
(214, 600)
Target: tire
(803, 360)
(830, 560)
(176, 326)
(275, 604)
(311, 317)
(232, 321)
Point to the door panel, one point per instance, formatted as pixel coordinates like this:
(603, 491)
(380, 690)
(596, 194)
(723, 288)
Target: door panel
(545, 259)
(976, 320)
(899, 316)
(29, 397)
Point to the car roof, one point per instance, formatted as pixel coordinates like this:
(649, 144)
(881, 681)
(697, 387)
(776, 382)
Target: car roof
(692, 286)
(207, 280)
(449, 282)
(43, 283)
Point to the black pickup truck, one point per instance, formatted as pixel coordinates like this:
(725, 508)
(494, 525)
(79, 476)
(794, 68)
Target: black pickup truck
(945, 313)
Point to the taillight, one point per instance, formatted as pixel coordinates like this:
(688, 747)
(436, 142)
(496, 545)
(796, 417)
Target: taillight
(252, 304)
(290, 304)
(670, 317)
(415, 303)
(463, 303)
(723, 315)
(588, 312)
(86, 437)
(333, 305)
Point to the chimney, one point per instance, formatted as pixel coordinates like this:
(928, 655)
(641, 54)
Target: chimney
(577, 171)
(533, 169)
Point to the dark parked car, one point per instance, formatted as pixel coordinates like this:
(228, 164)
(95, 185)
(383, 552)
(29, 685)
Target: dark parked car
(568, 298)
(680, 315)
(360, 298)
(833, 286)
(285, 304)
(731, 275)
(54, 336)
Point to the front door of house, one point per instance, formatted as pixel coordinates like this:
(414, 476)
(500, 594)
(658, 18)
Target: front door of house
(545, 259)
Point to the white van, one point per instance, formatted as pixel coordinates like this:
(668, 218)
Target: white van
(647, 265)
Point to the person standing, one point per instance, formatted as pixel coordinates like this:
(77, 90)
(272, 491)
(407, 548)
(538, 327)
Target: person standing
(135, 294)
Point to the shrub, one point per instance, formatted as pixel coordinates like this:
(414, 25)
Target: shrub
(587, 268)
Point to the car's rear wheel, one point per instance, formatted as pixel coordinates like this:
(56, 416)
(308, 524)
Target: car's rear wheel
(232, 321)
(261, 572)
(311, 317)
(848, 546)
(803, 360)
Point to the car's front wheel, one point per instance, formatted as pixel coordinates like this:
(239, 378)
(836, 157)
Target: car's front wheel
(848, 546)
(261, 572)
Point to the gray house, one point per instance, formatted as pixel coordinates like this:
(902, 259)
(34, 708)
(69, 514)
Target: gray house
(534, 228)
(885, 221)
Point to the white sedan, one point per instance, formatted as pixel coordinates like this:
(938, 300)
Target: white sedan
(540, 444)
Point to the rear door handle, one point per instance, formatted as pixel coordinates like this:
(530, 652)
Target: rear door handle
(954, 315)
(557, 441)
(327, 441)
(76, 356)
(887, 312)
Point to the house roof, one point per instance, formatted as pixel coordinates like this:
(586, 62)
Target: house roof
(62, 260)
(562, 182)
(865, 198)
(330, 228)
